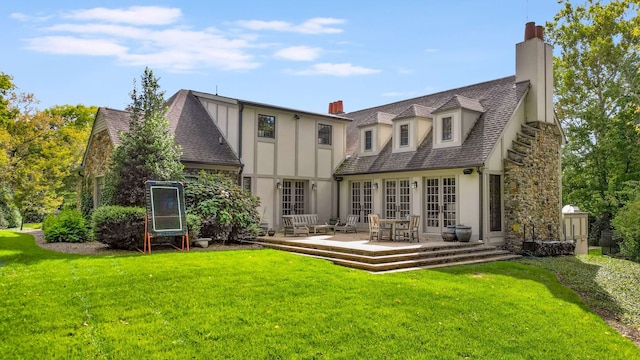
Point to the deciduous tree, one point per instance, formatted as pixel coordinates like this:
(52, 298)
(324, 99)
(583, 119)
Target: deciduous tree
(596, 88)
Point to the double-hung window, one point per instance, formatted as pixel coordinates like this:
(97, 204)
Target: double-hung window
(368, 140)
(267, 126)
(324, 134)
(447, 128)
(404, 135)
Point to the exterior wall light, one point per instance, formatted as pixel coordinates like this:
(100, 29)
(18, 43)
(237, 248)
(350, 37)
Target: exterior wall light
(374, 186)
(278, 185)
(314, 187)
(414, 185)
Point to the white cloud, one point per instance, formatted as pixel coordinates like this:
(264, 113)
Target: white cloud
(140, 15)
(24, 17)
(342, 70)
(149, 35)
(311, 26)
(298, 53)
(74, 46)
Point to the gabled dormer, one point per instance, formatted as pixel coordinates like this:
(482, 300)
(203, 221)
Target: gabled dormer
(410, 127)
(454, 120)
(375, 131)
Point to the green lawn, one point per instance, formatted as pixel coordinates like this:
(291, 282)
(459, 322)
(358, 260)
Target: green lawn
(257, 304)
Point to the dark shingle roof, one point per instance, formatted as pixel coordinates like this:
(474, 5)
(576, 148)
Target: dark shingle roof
(378, 118)
(196, 132)
(116, 122)
(498, 99)
(192, 126)
(458, 101)
(415, 111)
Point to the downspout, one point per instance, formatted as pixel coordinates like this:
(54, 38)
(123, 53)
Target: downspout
(338, 179)
(241, 108)
(479, 169)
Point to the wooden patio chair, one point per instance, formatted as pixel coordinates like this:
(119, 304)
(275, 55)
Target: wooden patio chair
(350, 225)
(414, 224)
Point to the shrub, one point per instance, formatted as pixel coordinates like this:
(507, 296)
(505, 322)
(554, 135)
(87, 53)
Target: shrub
(627, 226)
(119, 227)
(194, 224)
(66, 226)
(227, 211)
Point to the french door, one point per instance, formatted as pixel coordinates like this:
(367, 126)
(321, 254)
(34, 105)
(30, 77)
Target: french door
(361, 200)
(440, 203)
(397, 199)
(293, 197)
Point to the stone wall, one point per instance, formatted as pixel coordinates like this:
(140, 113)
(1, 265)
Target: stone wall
(532, 190)
(96, 163)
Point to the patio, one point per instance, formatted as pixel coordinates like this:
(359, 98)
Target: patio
(356, 251)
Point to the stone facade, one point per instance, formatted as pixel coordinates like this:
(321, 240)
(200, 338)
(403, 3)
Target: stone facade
(532, 186)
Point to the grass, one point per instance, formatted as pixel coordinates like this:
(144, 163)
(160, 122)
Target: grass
(266, 304)
(605, 283)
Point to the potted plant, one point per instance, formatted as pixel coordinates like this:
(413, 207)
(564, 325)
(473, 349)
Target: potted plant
(271, 232)
(463, 233)
(449, 234)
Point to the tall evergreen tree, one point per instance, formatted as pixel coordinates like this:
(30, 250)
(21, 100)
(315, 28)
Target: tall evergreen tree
(147, 151)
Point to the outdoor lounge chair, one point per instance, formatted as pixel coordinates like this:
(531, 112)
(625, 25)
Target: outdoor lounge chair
(350, 225)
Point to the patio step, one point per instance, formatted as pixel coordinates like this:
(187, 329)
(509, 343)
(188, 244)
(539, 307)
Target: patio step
(398, 259)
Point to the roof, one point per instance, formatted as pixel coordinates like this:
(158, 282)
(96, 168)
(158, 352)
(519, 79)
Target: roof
(195, 131)
(200, 139)
(116, 122)
(415, 111)
(497, 98)
(378, 118)
(458, 101)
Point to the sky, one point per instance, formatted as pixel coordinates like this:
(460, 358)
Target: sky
(297, 54)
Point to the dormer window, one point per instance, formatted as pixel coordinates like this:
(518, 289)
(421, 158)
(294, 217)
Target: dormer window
(404, 135)
(368, 140)
(447, 128)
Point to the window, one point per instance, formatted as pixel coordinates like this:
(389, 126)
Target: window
(246, 184)
(446, 128)
(324, 134)
(495, 203)
(267, 126)
(404, 135)
(99, 190)
(368, 139)
(361, 200)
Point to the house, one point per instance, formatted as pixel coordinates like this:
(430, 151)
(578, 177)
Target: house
(485, 155)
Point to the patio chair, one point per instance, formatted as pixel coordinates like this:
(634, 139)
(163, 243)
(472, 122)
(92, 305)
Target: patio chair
(414, 224)
(350, 225)
(375, 229)
(293, 227)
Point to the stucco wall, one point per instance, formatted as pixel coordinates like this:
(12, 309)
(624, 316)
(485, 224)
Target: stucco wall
(532, 190)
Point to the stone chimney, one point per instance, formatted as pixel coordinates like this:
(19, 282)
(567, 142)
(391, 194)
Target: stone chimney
(336, 108)
(534, 62)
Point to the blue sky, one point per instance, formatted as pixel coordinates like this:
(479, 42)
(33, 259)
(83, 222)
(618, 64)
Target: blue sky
(298, 54)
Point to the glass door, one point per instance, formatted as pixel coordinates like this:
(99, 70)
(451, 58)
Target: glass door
(440, 203)
(293, 197)
(397, 199)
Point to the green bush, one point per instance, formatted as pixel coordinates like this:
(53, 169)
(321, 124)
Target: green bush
(119, 227)
(194, 224)
(628, 227)
(66, 226)
(227, 211)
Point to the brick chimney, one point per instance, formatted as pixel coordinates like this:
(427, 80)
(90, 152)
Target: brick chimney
(534, 62)
(336, 108)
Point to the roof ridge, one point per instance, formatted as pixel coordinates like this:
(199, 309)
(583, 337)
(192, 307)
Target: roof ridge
(431, 94)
